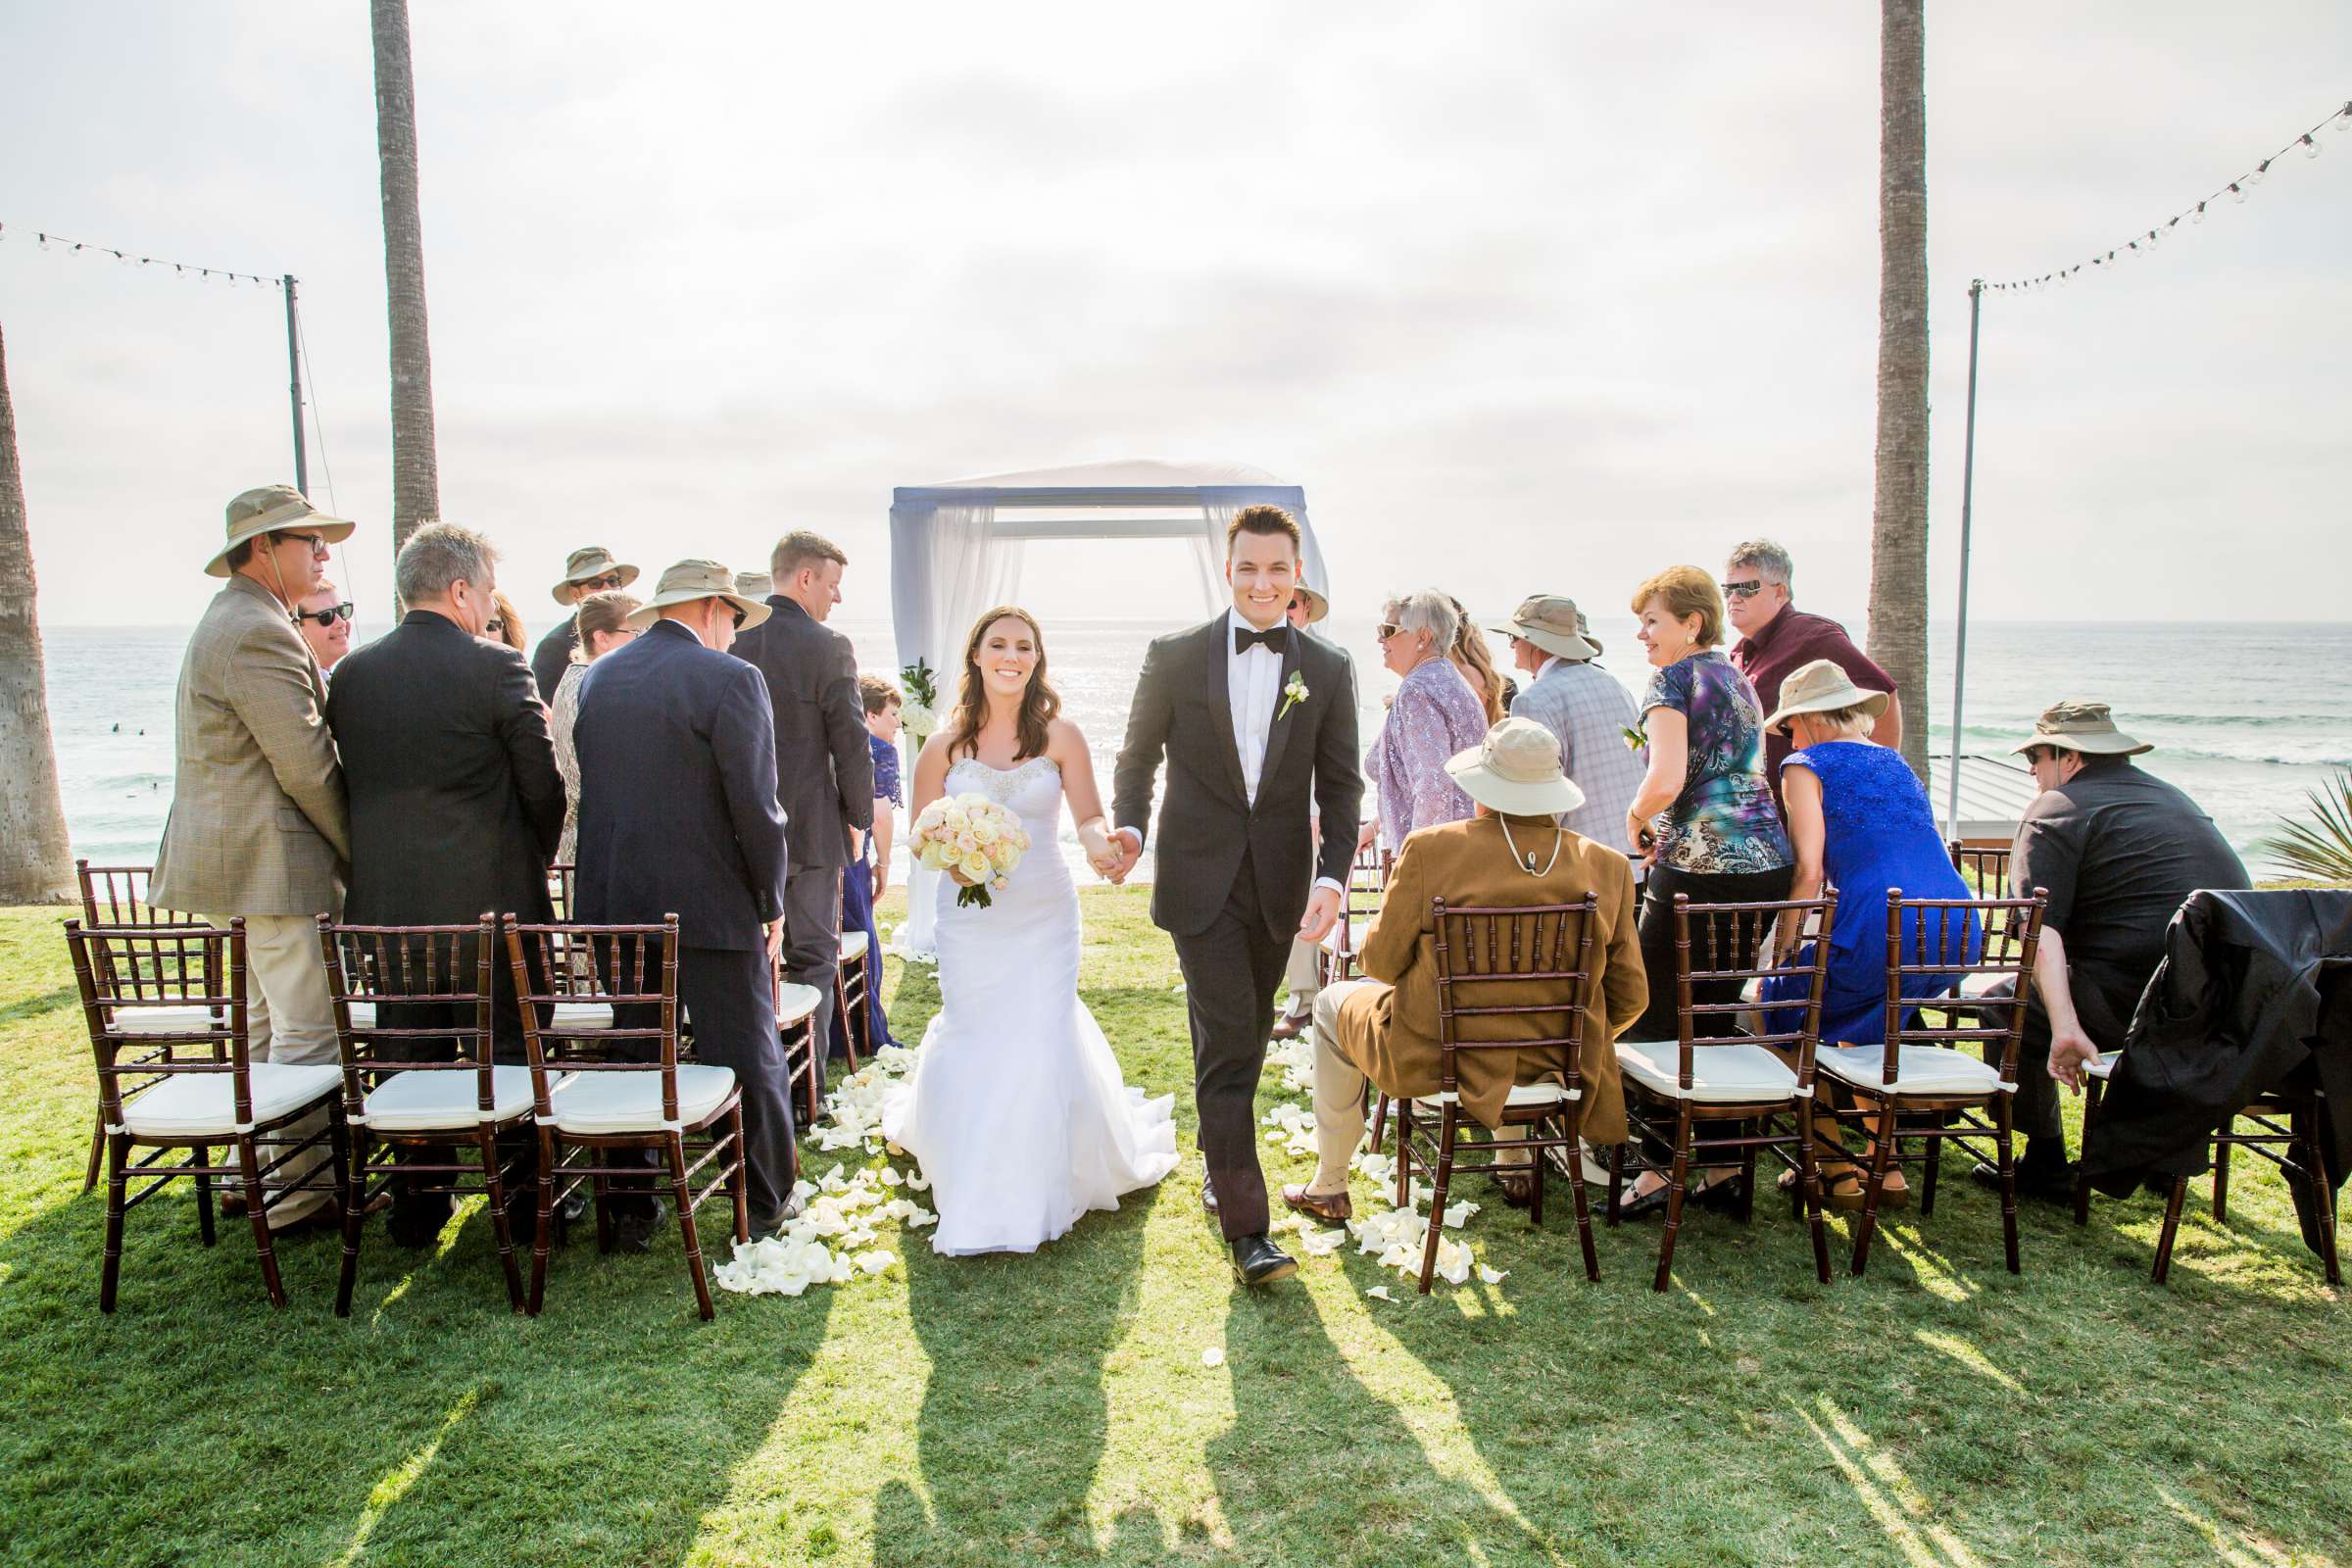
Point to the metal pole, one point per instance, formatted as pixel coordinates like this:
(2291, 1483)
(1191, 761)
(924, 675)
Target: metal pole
(302, 466)
(1968, 494)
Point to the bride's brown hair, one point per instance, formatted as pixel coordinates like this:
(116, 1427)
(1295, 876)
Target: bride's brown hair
(1040, 704)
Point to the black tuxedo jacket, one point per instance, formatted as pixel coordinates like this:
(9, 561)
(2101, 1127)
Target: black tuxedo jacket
(678, 809)
(456, 803)
(824, 766)
(1182, 712)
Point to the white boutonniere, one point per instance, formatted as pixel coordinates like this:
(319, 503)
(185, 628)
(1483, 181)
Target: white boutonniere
(1291, 696)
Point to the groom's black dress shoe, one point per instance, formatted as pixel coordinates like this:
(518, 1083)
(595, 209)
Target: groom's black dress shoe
(1208, 1198)
(1258, 1261)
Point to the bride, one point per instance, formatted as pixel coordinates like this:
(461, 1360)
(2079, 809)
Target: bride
(1018, 1111)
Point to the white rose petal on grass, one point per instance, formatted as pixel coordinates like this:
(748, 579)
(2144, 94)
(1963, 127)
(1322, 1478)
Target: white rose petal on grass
(1214, 1355)
(1459, 1215)
(1319, 1244)
(1380, 1293)
(1493, 1276)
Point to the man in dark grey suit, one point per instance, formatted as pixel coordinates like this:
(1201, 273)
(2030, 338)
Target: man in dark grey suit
(824, 766)
(1257, 723)
(679, 815)
(456, 803)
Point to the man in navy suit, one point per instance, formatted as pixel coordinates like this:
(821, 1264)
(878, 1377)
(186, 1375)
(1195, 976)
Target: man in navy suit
(679, 815)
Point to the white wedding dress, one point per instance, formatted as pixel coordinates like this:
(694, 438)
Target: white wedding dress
(1018, 1111)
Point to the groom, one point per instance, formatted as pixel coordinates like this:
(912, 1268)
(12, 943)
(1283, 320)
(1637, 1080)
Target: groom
(1255, 722)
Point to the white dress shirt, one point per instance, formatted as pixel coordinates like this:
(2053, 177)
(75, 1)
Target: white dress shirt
(1254, 689)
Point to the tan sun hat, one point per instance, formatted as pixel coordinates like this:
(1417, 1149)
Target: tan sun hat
(754, 584)
(1552, 623)
(583, 564)
(267, 510)
(1821, 687)
(1317, 607)
(689, 580)
(1516, 771)
(2086, 727)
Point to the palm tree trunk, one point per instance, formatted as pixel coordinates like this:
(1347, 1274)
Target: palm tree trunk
(1898, 523)
(36, 863)
(416, 469)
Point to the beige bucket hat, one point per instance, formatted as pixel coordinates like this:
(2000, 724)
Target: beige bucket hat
(1516, 771)
(2086, 727)
(1821, 687)
(754, 584)
(590, 563)
(689, 580)
(1552, 623)
(1317, 607)
(267, 510)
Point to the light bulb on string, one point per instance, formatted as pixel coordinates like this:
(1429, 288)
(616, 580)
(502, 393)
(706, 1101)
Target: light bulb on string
(2311, 148)
(2198, 217)
(2261, 172)
(2237, 192)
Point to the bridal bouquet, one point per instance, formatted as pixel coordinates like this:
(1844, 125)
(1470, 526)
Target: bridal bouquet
(972, 839)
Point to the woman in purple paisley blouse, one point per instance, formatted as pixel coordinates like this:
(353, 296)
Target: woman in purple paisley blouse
(1435, 715)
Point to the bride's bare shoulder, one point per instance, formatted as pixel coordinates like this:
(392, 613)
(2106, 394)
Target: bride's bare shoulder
(1062, 736)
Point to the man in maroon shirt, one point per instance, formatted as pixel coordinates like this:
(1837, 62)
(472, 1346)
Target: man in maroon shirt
(1776, 637)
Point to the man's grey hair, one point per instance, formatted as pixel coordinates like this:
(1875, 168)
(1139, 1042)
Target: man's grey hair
(1770, 559)
(1425, 610)
(440, 554)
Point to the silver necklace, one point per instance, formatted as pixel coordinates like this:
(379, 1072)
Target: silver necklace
(1527, 861)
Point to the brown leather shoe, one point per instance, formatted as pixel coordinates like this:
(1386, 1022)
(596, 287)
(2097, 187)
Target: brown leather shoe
(1291, 1025)
(1332, 1209)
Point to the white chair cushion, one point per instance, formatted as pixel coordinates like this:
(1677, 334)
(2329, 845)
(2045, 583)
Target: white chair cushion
(1729, 1073)
(2104, 1065)
(1983, 983)
(203, 1104)
(570, 1015)
(1919, 1071)
(168, 1020)
(852, 946)
(794, 1004)
(363, 1014)
(431, 1101)
(1546, 1093)
(630, 1101)
(1352, 929)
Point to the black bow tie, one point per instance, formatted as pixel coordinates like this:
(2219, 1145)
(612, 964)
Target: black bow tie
(1271, 639)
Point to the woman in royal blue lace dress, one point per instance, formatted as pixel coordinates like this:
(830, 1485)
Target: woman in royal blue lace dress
(1859, 817)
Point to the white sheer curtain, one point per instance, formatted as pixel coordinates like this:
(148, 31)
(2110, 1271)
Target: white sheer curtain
(946, 566)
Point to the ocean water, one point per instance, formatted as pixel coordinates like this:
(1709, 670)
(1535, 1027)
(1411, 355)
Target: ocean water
(2246, 717)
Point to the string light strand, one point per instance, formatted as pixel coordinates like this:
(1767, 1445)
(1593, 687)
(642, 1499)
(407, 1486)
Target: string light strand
(203, 274)
(2237, 190)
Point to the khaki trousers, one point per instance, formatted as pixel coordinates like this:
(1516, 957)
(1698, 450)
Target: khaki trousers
(1301, 976)
(289, 1018)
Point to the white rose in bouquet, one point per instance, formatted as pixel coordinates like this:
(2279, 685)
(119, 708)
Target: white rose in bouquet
(974, 840)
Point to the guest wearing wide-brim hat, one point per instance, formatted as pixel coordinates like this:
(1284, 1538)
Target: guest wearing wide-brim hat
(2117, 850)
(1583, 705)
(259, 826)
(1308, 606)
(1384, 1028)
(754, 585)
(587, 570)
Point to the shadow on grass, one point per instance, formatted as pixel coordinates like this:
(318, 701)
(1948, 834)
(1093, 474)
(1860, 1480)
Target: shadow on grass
(33, 1007)
(196, 1424)
(1015, 1411)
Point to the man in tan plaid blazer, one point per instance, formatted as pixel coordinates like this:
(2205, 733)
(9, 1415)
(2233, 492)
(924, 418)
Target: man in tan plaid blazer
(259, 824)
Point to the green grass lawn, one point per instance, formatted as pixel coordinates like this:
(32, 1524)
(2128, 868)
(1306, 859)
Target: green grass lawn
(1055, 1408)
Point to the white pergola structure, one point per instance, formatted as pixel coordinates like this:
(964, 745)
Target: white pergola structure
(956, 551)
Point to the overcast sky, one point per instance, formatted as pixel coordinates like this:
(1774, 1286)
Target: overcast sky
(1529, 297)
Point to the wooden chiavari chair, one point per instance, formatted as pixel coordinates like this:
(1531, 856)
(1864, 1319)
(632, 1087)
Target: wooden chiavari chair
(1502, 970)
(851, 987)
(414, 1014)
(116, 896)
(1679, 1091)
(562, 888)
(144, 984)
(1367, 885)
(804, 1052)
(600, 1003)
(1919, 1074)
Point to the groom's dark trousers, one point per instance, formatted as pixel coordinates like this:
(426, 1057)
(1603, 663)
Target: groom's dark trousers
(1231, 973)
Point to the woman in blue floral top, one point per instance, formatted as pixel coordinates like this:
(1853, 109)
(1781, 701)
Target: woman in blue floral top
(1703, 814)
(864, 879)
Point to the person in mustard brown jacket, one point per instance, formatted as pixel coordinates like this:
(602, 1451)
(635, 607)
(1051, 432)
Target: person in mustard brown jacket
(1385, 1028)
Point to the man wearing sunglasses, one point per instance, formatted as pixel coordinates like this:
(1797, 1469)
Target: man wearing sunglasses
(587, 570)
(259, 825)
(323, 616)
(1776, 638)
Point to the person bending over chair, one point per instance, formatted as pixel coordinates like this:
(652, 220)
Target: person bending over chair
(1385, 1029)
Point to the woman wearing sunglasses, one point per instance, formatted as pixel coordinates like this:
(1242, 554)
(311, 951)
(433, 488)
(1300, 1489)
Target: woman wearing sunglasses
(325, 619)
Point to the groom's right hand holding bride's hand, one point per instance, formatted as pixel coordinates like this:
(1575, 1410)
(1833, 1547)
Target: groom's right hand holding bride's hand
(1122, 848)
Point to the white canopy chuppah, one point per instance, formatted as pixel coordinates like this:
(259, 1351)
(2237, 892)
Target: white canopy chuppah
(955, 550)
